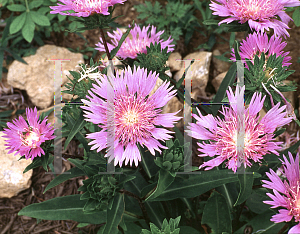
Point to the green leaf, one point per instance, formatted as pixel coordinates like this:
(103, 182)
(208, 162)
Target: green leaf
(28, 29)
(196, 184)
(39, 19)
(61, 17)
(262, 224)
(216, 214)
(63, 208)
(255, 201)
(37, 162)
(114, 215)
(279, 132)
(77, 163)
(148, 163)
(45, 161)
(35, 4)
(74, 172)
(17, 23)
(227, 81)
(115, 50)
(133, 228)
(246, 182)
(164, 180)
(16, 56)
(296, 16)
(79, 124)
(16, 7)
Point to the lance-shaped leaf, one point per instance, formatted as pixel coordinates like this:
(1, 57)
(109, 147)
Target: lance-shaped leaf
(72, 173)
(164, 180)
(196, 184)
(216, 214)
(227, 81)
(63, 208)
(246, 182)
(114, 215)
(38, 162)
(77, 126)
(262, 224)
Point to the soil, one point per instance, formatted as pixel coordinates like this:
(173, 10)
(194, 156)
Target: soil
(10, 222)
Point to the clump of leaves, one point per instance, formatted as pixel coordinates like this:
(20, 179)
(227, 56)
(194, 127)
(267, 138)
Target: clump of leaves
(265, 73)
(82, 81)
(176, 18)
(98, 191)
(173, 157)
(167, 227)
(155, 59)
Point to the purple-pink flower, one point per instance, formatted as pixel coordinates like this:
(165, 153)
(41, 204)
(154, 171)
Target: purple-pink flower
(25, 138)
(223, 134)
(257, 43)
(261, 15)
(136, 42)
(84, 8)
(128, 115)
(286, 194)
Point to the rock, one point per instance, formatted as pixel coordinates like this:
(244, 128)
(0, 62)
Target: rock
(200, 72)
(216, 82)
(172, 106)
(172, 63)
(37, 77)
(12, 179)
(219, 65)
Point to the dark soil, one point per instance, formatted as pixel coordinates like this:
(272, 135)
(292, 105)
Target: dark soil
(10, 222)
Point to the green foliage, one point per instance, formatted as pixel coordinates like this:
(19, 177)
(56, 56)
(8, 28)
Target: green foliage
(216, 214)
(173, 157)
(63, 208)
(176, 18)
(155, 59)
(30, 23)
(82, 81)
(267, 72)
(170, 227)
(296, 16)
(99, 191)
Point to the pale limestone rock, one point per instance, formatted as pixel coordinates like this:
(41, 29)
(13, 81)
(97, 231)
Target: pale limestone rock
(175, 105)
(37, 78)
(12, 179)
(159, 82)
(200, 72)
(173, 62)
(216, 82)
(219, 65)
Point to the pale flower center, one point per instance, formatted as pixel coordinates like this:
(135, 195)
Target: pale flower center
(131, 117)
(31, 138)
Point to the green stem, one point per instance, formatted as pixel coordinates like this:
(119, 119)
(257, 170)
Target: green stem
(27, 7)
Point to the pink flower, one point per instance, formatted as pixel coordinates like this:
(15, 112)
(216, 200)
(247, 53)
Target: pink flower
(26, 139)
(136, 42)
(286, 194)
(223, 134)
(257, 43)
(260, 14)
(84, 8)
(128, 114)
